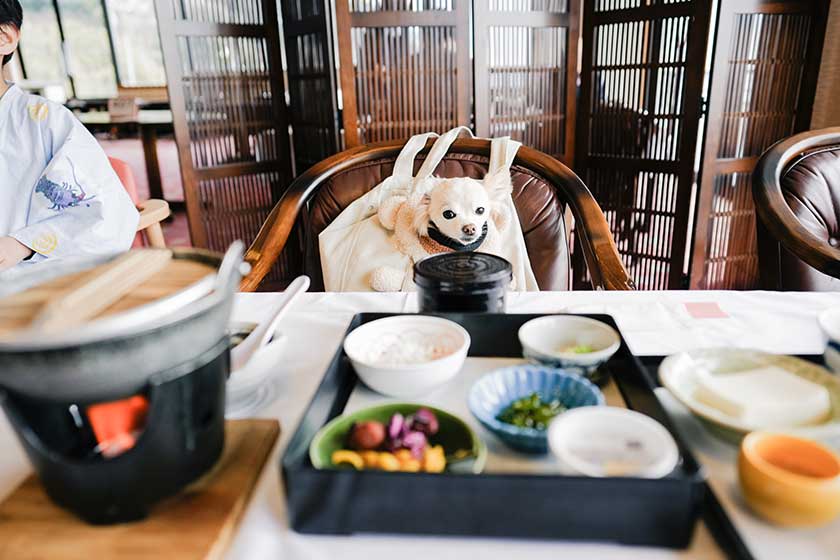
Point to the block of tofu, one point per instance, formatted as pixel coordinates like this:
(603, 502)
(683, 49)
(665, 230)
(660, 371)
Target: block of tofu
(765, 397)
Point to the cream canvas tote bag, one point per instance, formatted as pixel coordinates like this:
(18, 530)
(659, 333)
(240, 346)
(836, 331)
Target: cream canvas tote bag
(355, 243)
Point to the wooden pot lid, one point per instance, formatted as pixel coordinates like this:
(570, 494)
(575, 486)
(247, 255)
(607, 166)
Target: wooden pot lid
(132, 280)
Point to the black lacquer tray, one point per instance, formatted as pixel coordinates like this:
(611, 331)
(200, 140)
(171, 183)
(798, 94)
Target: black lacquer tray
(661, 512)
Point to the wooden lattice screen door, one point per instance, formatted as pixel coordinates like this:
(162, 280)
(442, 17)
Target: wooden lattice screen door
(405, 67)
(224, 70)
(313, 84)
(763, 81)
(526, 72)
(641, 78)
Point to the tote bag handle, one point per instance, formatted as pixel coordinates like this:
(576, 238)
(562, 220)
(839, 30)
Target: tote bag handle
(439, 150)
(502, 153)
(404, 165)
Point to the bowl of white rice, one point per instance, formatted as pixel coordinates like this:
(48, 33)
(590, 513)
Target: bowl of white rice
(407, 355)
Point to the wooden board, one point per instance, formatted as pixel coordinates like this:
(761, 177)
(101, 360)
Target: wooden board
(197, 524)
(18, 310)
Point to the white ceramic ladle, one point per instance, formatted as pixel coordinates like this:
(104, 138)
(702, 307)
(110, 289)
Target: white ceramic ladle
(259, 337)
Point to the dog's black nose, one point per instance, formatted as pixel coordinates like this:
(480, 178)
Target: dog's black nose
(468, 229)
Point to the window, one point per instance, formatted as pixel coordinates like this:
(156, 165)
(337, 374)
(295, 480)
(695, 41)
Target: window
(87, 48)
(136, 42)
(92, 46)
(40, 48)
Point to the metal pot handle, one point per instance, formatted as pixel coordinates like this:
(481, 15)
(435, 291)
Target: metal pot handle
(231, 270)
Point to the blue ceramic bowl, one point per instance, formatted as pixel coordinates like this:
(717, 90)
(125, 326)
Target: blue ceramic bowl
(495, 391)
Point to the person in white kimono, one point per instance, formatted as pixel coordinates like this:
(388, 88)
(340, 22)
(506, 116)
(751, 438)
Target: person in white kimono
(59, 196)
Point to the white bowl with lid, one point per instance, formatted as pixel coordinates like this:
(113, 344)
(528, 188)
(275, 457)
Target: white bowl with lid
(608, 441)
(407, 355)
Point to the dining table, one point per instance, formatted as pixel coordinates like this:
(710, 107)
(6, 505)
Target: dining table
(148, 122)
(653, 323)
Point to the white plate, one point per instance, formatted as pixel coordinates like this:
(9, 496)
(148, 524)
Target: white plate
(253, 402)
(679, 372)
(254, 387)
(265, 362)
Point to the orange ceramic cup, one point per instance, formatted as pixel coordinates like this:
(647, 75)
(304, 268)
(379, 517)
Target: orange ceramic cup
(790, 481)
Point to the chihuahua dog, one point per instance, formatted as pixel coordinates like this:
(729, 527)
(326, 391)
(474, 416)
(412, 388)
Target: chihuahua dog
(443, 215)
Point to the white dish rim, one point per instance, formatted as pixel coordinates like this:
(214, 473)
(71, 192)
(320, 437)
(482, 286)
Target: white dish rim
(829, 330)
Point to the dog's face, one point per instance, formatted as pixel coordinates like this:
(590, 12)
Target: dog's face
(460, 208)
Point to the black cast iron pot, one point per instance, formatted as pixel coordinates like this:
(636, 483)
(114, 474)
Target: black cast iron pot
(174, 351)
(182, 439)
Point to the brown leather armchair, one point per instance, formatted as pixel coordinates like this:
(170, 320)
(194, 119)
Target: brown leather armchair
(796, 188)
(542, 190)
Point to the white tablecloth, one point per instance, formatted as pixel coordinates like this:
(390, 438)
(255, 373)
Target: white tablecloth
(653, 323)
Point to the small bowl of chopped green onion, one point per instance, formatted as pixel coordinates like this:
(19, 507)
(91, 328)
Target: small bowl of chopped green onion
(569, 341)
(518, 403)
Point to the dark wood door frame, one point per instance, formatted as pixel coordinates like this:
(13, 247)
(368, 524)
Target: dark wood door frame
(312, 80)
(485, 19)
(172, 30)
(688, 113)
(711, 165)
(458, 20)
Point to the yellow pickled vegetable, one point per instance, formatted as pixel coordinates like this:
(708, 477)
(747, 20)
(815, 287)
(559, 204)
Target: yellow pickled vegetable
(370, 458)
(388, 462)
(411, 465)
(403, 455)
(345, 457)
(407, 461)
(434, 460)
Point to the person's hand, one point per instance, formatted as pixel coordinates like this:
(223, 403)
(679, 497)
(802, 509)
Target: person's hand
(12, 252)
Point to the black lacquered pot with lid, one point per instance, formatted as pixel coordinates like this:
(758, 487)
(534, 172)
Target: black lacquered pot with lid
(462, 282)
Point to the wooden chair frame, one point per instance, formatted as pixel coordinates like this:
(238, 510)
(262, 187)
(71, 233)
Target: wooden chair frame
(592, 231)
(777, 223)
(152, 213)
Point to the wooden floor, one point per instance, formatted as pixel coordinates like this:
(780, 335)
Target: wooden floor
(175, 230)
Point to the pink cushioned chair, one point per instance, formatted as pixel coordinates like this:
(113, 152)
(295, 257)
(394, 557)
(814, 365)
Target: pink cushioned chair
(152, 211)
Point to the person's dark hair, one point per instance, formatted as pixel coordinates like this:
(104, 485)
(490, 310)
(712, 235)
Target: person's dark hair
(10, 14)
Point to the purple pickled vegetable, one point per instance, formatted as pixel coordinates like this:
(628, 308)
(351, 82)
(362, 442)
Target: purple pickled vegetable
(394, 444)
(406, 429)
(416, 443)
(396, 426)
(425, 421)
(414, 439)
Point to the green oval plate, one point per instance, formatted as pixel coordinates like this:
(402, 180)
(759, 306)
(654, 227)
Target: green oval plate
(454, 435)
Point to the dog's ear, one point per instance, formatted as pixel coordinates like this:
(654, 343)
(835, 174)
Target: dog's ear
(499, 188)
(426, 200)
(498, 185)
(500, 215)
